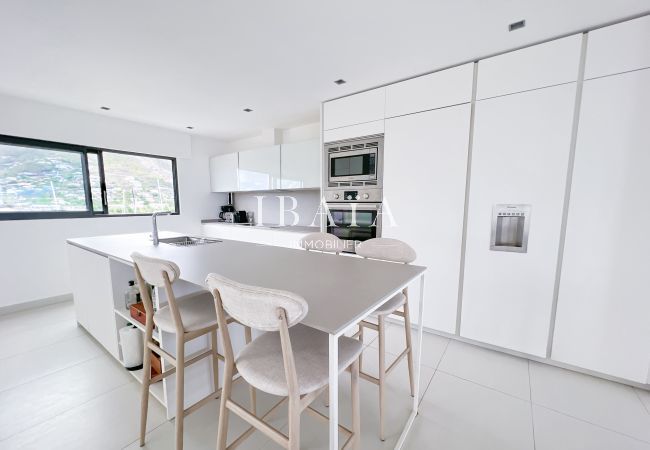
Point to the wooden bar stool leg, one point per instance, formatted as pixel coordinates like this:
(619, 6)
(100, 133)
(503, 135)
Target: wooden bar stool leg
(294, 422)
(222, 429)
(248, 335)
(409, 346)
(146, 381)
(356, 409)
(361, 327)
(180, 389)
(215, 359)
(382, 373)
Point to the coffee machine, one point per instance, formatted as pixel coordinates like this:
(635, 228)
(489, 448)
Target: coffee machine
(228, 211)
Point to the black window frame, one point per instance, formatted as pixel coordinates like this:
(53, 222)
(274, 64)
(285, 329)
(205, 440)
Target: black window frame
(84, 151)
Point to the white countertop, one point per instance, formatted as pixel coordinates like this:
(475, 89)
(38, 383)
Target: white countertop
(289, 228)
(338, 289)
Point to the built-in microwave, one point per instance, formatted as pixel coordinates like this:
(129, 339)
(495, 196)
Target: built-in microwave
(354, 161)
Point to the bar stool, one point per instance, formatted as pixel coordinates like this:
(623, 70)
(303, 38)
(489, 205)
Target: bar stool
(322, 242)
(288, 360)
(392, 250)
(188, 317)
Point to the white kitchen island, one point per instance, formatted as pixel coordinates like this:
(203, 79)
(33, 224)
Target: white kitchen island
(340, 292)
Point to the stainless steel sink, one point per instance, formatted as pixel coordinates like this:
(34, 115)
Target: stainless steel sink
(187, 241)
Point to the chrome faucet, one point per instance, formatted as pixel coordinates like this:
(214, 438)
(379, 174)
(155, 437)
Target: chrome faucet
(154, 222)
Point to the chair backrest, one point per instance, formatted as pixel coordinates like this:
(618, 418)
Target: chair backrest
(256, 307)
(154, 271)
(386, 249)
(322, 242)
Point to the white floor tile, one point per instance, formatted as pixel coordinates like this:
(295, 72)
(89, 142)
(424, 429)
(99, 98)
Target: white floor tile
(109, 422)
(38, 337)
(434, 345)
(35, 318)
(24, 367)
(489, 368)
(459, 414)
(601, 402)
(37, 401)
(645, 398)
(555, 431)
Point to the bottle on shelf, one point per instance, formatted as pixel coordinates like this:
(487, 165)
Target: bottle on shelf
(131, 295)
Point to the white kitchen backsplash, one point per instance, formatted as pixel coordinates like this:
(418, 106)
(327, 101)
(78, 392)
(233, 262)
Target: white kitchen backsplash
(306, 206)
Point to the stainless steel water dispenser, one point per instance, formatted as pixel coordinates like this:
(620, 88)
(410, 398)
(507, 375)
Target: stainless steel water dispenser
(510, 225)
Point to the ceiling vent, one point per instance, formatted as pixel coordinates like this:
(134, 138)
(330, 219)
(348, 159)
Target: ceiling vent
(340, 81)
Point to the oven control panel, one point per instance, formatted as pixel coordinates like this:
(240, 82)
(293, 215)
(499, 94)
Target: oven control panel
(353, 195)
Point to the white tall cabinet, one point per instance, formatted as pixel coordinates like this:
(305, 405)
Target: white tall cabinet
(425, 165)
(520, 156)
(603, 313)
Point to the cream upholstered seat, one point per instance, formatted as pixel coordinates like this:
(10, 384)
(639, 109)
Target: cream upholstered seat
(322, 242)
(261, 363)
(197, 312)
(396, 251)
(289, 359)
(391, 305)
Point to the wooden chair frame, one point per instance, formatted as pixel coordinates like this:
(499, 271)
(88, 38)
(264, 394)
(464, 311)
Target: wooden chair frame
(380, 328)
(178, 362)
(297, 403)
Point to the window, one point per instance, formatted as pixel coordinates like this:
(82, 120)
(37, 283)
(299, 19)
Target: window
(40, 179)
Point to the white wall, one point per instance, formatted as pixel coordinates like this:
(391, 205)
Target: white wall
(33, 262)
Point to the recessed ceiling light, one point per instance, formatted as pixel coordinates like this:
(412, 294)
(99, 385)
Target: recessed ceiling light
(190, 128)
(340, 81)
(105, 108)
(248, 110)
(516, 25)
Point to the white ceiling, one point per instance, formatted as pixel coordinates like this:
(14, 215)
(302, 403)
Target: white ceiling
(200, 62)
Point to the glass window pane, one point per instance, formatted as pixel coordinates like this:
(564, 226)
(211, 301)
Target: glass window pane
(95, 182)
(138, 184)
(40, 180)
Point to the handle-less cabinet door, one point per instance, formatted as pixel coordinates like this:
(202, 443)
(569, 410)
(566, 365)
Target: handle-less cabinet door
(354, 109)
(424, 197)
(542, 65)
(619, 48)
(223, 173)
(300, 165)
(519, 157)
(435, 90)
(259, 169)
(603, 311)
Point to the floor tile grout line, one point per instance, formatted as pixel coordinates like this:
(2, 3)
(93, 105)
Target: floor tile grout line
(61, 413)
(484, 386)
(636, 391)
(592, 423)
(532, 413)
(52, 373)
(444, 352)
(49, 344)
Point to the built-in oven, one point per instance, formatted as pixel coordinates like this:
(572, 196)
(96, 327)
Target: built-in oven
(355, 161)
(354, 222)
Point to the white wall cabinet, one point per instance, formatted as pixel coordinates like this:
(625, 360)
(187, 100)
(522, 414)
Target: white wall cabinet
(259, 169)
(618, 48)
(436, 90)
(93, 296)
(520, 155)
(354, 131)
(542, 65)
(223, 173)
(603, 309)
(359, 108)
(424, 194)
(300, 165)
